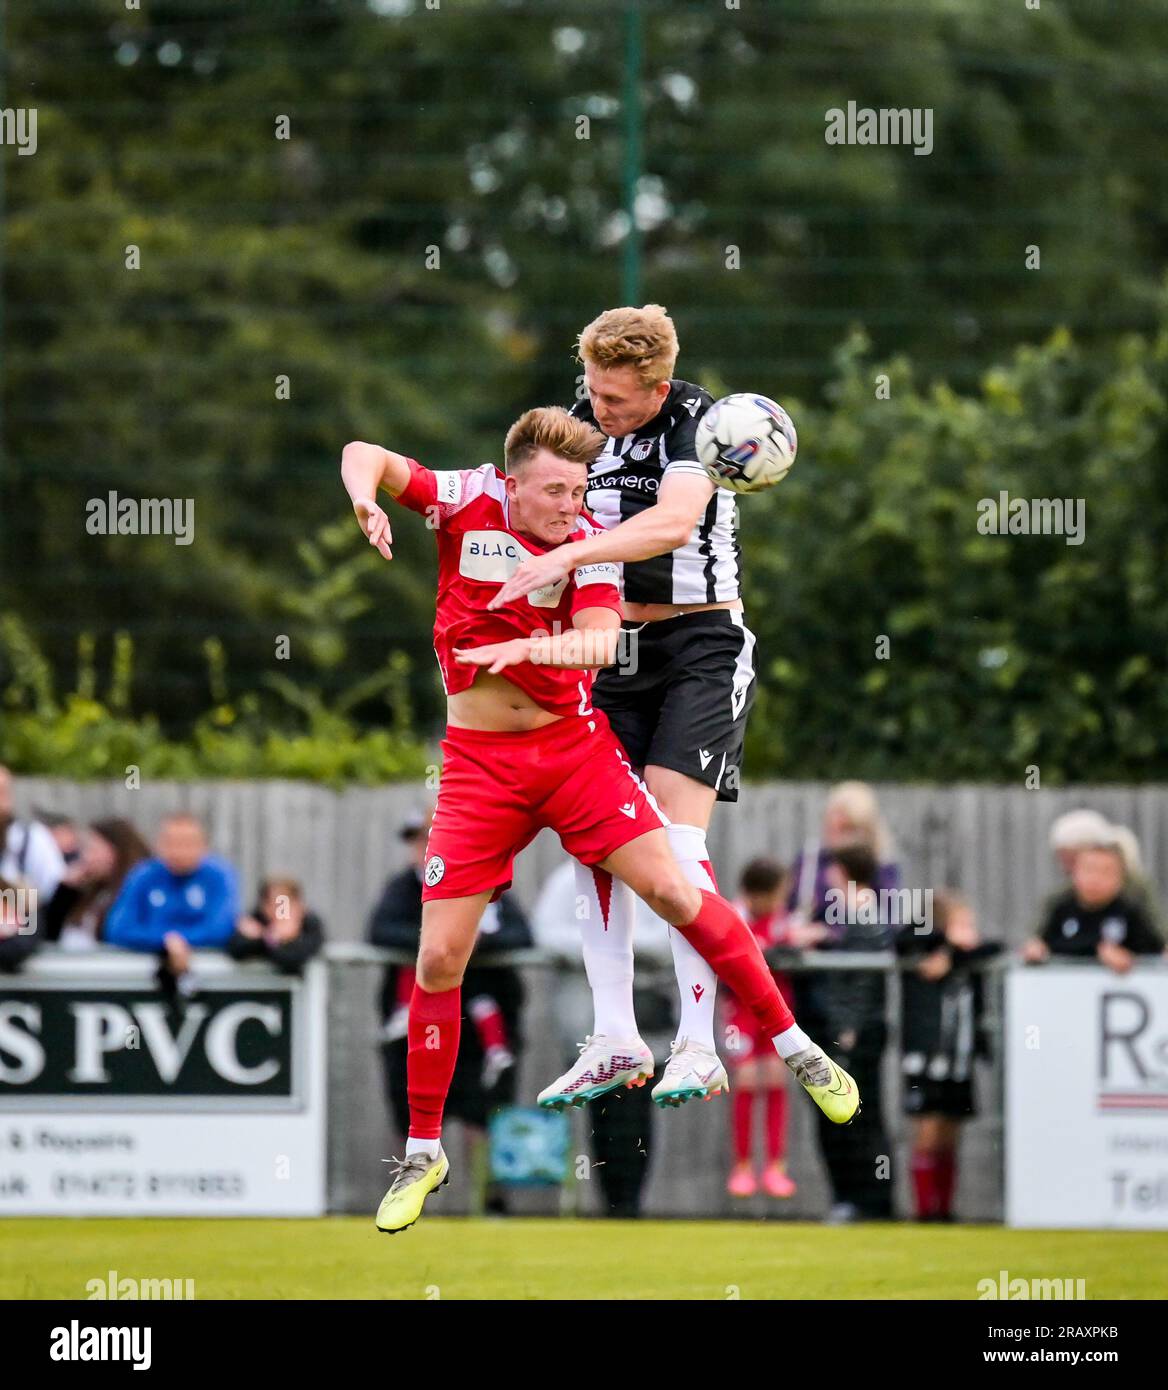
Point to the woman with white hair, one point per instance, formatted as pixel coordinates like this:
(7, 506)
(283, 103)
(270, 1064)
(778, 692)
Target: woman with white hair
(851, 817)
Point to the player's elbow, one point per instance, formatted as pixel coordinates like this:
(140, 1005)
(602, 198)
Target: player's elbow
(677, 528)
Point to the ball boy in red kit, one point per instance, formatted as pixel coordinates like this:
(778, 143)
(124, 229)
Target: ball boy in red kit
(524, 749)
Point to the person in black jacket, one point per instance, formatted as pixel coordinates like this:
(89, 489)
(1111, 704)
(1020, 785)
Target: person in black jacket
(491, 1039)
(853, 1003)
(1096, 916)
(942, 1004)
(280, 930)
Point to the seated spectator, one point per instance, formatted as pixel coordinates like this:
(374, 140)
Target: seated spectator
(109, 849)
(942, 1006)
(29, 855)
(490, 1040)
(17, 942)
(1095, 917)
(759, 1072)
(182, 897)
(280, 929)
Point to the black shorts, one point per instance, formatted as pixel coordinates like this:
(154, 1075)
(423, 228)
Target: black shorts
(953, 1099)
(680, 694)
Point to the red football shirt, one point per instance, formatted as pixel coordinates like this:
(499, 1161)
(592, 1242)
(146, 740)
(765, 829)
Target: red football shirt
(477, 552)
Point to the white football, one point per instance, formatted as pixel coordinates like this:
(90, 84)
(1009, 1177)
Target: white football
(746, 442)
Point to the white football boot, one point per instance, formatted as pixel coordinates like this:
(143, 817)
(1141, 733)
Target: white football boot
(605, 1064)
(693, 1072)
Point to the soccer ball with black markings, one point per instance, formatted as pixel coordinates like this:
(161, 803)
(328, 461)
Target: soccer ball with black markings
(746, 442)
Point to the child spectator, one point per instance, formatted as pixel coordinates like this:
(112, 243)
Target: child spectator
(109, 849)
(1095, 917)
(280, 929)
(942, 1003)
(759, 1073)
(182, 897)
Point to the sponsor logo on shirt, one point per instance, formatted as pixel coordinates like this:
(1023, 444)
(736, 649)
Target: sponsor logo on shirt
(491, 557)
(596, 574)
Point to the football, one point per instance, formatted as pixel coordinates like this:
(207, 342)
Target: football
(746, 442)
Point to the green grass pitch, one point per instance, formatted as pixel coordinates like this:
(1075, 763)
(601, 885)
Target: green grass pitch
(451, 1258)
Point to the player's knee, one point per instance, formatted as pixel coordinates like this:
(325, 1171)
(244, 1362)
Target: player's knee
(440, 966)
(670, 895)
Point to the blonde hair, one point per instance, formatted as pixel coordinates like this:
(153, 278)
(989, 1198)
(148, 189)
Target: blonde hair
(857, 801)
(644, 339)
(550, 427)
(1129, 849)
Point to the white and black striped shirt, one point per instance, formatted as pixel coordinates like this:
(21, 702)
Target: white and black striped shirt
(625, 480)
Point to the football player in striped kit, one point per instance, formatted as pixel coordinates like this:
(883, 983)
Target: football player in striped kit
(679, 698)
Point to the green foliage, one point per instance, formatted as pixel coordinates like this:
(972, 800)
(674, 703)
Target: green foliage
(1004, 651)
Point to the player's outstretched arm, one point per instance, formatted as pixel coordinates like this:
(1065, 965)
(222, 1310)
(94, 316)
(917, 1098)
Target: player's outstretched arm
(591, 642)
(655, 531)
(364, 469)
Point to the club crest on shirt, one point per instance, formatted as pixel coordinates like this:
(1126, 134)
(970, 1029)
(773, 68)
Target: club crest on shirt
(435, 869)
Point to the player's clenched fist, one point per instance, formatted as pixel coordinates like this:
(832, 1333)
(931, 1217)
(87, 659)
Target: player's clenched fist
(375, 524)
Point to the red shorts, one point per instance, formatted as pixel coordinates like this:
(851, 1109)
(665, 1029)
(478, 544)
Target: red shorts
(498, 791)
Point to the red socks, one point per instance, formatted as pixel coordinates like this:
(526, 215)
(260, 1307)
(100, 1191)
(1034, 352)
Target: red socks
(487, 1017)
(946, 1174)
(933, 1173)
(727, 944)
(776, 1123)
(742, 1110)
(434, 1025)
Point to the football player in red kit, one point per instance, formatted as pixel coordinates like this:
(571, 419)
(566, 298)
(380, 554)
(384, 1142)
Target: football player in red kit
(525, 749)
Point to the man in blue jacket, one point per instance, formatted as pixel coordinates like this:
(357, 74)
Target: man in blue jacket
(181, 898)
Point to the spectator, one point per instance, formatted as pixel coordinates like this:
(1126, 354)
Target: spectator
(759, 1072)
(280, 929)
(29, 855)
(851, 817)
(942, 1004)
(853, 1003)
(1069, 833)
(180, 898)
(1139, 887)
(1095, 917)
(621, 1123)
(109, 849)
(490, 1040)
(17, 942)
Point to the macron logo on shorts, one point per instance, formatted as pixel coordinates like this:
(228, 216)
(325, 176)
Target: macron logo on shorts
(435, 868)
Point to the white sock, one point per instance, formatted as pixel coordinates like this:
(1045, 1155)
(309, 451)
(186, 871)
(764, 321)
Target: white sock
(790, 1041)
(608, 954)
(697, 984)
(423, 1146)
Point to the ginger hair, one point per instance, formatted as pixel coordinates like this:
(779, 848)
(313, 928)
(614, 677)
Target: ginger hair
(550, 427)
(644, 339)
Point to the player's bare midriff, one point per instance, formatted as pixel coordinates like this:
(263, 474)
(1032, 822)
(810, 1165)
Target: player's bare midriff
(658, 612)
(493, 704)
